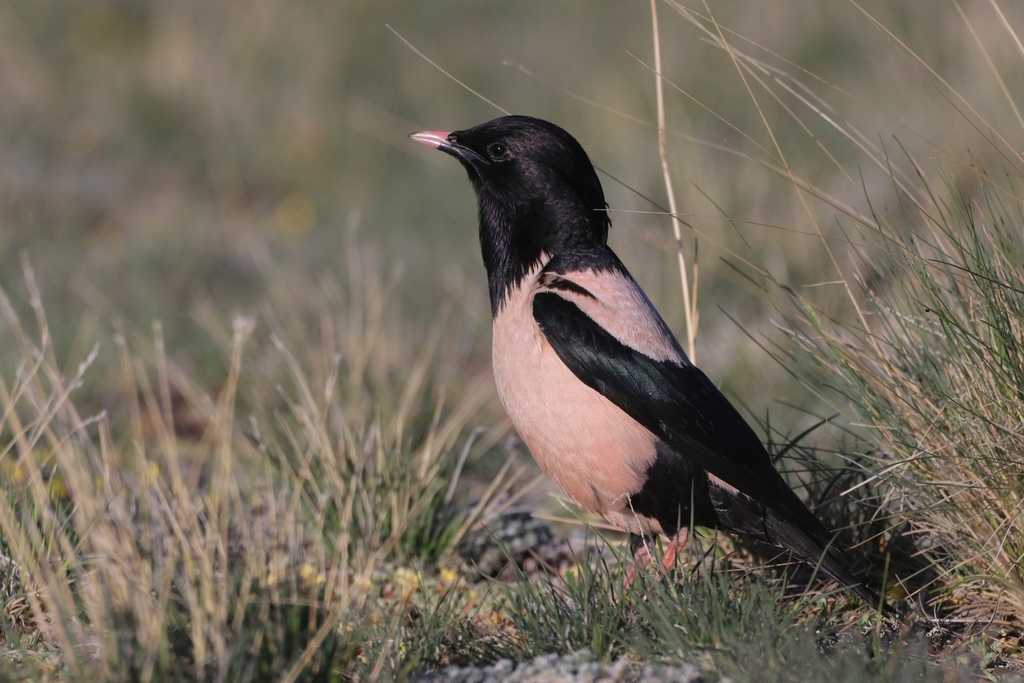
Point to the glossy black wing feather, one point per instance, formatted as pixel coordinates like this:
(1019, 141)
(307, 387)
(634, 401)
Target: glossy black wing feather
(677, 403)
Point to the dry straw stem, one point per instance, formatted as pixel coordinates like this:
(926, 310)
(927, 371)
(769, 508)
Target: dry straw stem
(689, 303)
(163, 557)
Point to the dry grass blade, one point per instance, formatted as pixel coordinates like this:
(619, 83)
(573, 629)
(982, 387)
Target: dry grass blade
(689, 303)
(161, 556)
(938, 375)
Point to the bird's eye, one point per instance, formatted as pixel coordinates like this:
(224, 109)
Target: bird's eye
(497, 151)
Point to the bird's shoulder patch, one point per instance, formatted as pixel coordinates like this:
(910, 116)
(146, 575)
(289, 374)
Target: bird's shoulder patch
(564, 284)
(613, 300)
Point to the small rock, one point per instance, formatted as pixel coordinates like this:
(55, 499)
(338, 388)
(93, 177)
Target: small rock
(577, 667)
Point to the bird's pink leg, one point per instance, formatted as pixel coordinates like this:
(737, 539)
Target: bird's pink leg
(641, 558)
(642, 554)
(675, 546)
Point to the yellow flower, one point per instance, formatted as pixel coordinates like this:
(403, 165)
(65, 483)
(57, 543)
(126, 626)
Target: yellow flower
(407, 582)
(58, 489)
(446, 578)
(309, 575)
(362, 583)
(897, 592)
(13, 472)
(151, 473)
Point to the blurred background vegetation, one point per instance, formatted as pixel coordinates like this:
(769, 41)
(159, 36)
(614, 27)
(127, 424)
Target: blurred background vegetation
(159, 161)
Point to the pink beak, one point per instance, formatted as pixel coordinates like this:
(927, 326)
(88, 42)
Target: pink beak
(431, 138)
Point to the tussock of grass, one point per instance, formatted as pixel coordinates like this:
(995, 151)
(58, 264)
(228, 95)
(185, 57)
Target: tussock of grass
(922, 341)
(734, 624)
(266, 548)
(937, 376)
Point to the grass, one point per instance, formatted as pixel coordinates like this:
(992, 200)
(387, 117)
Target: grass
(310, 537)
(276, 479)
(226, 556)
(925, 350)
(936, 374)
(737, 626)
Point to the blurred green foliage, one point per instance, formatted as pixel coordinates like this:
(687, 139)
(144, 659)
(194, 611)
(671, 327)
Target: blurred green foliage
(158, 157)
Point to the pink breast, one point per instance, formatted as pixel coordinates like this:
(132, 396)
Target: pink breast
(592, 450)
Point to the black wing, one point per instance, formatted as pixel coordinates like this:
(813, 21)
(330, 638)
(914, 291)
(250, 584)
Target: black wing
(677, 403)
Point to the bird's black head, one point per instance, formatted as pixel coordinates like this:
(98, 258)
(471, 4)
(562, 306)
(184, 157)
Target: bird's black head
(536, 190)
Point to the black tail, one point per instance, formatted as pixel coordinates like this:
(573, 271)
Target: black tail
(783, 534)
(740, 513)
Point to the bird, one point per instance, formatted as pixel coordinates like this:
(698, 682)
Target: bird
(593, 379)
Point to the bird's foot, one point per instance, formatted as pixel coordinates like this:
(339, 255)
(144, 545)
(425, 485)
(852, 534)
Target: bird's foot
(641, 547)
(674, 547)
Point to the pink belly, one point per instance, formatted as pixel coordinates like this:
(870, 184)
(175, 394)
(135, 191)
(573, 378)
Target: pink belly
(592, 450)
